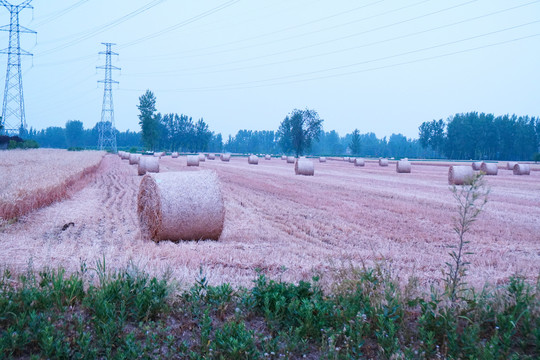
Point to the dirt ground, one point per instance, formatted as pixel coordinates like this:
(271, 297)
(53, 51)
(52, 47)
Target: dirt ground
(290, 226)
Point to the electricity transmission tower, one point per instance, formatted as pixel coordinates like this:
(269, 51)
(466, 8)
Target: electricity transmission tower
(107, 134)
(13, 117)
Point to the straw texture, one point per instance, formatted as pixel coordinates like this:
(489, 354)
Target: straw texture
(283, 157)
(211, 156)
(134, 159)
(510, 165)
(174, 155)
(522, 169)
(304, 167)
(477, 165)
(322, 159)
(460, 175)
(225, 157)
(359, 162)
(253, 159)
(181, 206)
(291, 159)
(193, 160)
(489, 168)
(403, 167)
(202, 158)
(346, 158)
(148, 164)
(125, 155)
(383, 162)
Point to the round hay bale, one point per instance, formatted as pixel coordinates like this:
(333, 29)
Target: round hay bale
(352, 160)
(383, 162)
(359, 162)
(120, 154)
(125, 155)
(253, 159)
(225, 157)
(283, 157)
(193, 160)
(174, 155)
(202, 158)
(476, 165)
(185, 205)
(267, 157)
(522, 169)
(134, 159)
(322, 159)
(460, 175)
(148, 164)
(489, 168)
(304, 167)
(291, 159)
(403, 167)
(346, 159)
(510, 165)
(211, 156)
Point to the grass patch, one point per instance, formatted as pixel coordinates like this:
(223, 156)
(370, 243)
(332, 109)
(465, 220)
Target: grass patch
(127, 314)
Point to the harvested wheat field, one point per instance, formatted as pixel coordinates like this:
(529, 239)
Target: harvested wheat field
(291, 226)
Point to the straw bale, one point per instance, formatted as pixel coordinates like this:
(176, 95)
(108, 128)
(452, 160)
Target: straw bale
(383, 162)
(489, 168)
(148, 164)
(225, 157)
(253, 159)
(359, 162)
(352, 160)
(476, 165)
(211, 156)
(304, 167)
(202, 157)
(174, 155)
(193, 160)
(522, 169)
(460, 175)
(267, 157)
(134, 159)
(403, 167)
(346, 159)
(510, 165)
(283, 157)
(185, 205)
(125, 155)
(322, 159)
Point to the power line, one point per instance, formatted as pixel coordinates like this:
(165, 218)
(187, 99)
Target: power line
(60, 13)
(251, 84)
(311, 56)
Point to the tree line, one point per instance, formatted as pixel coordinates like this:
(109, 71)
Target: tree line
(476, 135)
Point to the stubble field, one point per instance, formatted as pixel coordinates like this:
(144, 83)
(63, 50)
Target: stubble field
(290, 226)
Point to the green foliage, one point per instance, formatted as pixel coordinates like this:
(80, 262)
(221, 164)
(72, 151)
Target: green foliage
(298, 130)
(355, 144)
(74, 133)
(26, 144)
(536, 157)
(148, 120)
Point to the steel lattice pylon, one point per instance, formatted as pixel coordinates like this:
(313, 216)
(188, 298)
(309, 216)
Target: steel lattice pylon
(13, 116)
(107, 131)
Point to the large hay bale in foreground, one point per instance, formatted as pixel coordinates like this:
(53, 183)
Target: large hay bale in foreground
(291, 159)
(476, 165)
(510, 165)
(211, 156)
(304, 167)
(403, 167)
(359, 162)
(134, 159)
(322, 159)
(253, 159)
(383, 162)
(174, 155)
(185, 205)
(148, 164)
(267, 157)
(202, 158)
(225, 157)
(522, 169)
(460, 175)
(193, 160)
(489, 168)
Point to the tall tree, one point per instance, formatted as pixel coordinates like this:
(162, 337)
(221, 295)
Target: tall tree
(355, 143)
(74, 133)
(298, 130)
(147, 120)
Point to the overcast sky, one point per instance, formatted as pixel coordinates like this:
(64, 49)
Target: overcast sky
(382, 66)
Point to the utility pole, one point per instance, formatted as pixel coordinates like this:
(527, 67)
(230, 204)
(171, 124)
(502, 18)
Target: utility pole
(13, 117)
(107, 134)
